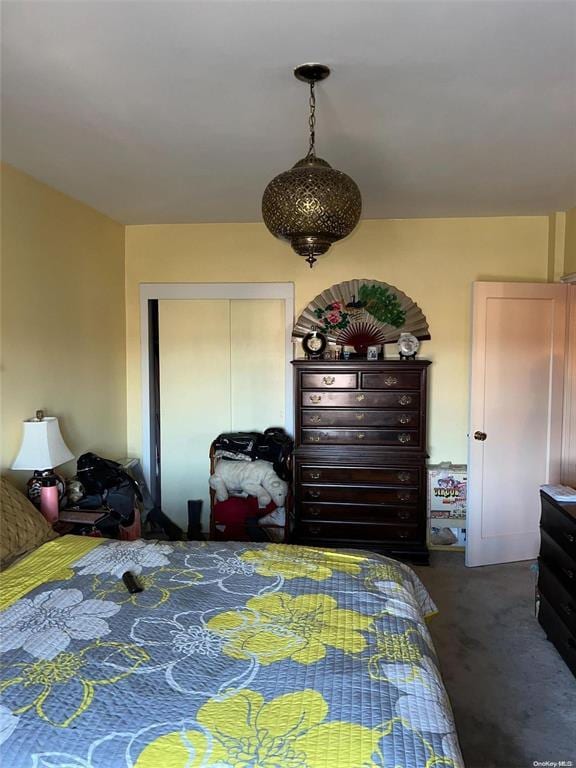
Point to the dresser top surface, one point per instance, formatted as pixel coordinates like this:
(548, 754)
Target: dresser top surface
(568, 508)
(362, 363)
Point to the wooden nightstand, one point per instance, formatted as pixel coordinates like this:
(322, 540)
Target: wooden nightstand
(97, 522)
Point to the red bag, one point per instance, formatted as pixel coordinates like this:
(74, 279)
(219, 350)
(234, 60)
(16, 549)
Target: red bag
(232, 518)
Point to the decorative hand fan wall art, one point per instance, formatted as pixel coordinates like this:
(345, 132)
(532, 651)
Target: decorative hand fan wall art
(362, 313)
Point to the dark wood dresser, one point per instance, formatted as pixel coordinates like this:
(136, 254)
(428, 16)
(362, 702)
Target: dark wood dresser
(360, 455)
(557, 576)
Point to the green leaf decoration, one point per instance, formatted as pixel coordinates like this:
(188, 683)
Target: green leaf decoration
(382, 304)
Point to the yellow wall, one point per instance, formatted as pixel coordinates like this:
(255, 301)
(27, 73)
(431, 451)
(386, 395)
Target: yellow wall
(63, 319)
(63, 301)
(556, 245)
(432, 260)
(570, 242)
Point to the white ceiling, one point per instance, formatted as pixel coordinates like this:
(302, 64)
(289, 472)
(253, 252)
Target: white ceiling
(182, 111)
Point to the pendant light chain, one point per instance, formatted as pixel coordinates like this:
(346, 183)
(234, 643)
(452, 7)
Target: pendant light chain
(312, 121)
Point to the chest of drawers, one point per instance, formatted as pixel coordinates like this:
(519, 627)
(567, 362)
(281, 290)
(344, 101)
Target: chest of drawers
(360, 455)
(557, 576)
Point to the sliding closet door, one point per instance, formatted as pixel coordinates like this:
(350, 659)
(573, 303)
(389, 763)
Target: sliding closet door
(194, 342)
(222, 369)
(257, 364)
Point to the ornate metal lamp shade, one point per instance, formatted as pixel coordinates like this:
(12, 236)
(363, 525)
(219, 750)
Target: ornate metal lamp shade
(312, 205)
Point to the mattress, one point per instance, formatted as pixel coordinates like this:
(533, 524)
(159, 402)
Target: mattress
(235, 655)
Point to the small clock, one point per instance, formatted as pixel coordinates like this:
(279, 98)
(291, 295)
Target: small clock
(408, 345)
(314, 344)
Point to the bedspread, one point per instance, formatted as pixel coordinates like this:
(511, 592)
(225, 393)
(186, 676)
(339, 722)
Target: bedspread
(235, 655)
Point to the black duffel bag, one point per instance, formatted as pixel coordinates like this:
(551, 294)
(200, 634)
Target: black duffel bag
(107, 484)
(274, 446)
(239, 443)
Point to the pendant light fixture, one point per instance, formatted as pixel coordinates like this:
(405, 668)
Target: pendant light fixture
(312, 205)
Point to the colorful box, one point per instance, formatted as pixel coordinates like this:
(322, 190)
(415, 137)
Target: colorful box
(447, 492)
(447, 486)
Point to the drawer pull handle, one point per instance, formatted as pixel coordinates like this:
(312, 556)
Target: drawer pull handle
(314, 475)
(403, 515)
(402, 534)
(315, 419)
(404, 437)
(403, 419)
(570, 573)
(313, 438)
(360, 397)
(328, 380)
(314, 529)
(314, 494)
(390, 381)
(405, 400)
(404, 477)
(404, 495)
(361, 435)
(568, 609)
(314, 511)
(570, 536)
(315, 398)
(360, 416)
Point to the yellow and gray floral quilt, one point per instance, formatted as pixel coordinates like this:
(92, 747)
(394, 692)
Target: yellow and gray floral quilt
(236, 655)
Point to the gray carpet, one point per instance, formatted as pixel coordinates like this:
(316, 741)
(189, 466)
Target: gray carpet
(513, 697)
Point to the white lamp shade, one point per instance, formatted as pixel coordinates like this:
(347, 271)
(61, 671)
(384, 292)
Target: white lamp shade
(42, 445)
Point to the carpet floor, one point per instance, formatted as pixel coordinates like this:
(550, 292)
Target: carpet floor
(514, 699)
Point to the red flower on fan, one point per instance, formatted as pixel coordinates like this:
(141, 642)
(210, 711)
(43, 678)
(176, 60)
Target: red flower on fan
(334, 317)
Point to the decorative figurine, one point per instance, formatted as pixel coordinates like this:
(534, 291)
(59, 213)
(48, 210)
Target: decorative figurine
(314, 344)
(408, 345)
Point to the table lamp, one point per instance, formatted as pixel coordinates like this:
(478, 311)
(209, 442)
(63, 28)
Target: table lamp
(42, 449)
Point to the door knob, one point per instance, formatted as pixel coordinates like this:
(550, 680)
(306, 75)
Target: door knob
(479, 435)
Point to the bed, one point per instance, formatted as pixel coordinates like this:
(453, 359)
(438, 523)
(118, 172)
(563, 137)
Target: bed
(238, 655)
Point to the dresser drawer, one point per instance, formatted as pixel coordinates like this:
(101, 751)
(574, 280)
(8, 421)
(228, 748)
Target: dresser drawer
(558, 633)
(369, 494)
(557, 595)
(359, 532)
(397, 437)
(352, 513)
(333, 380)
(384, 380)
(560, 528)
(327, 399)
(359, 418)
(378, 475)
(559, 562)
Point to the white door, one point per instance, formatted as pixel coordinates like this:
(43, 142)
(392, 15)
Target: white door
(222, 368)
(516, 402)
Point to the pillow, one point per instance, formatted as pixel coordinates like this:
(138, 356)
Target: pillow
(22, 527)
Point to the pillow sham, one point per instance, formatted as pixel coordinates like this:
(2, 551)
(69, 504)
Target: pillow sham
(22, 527)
